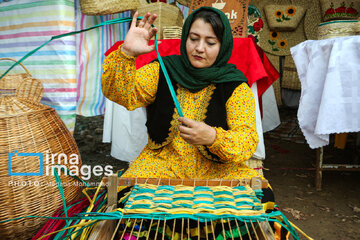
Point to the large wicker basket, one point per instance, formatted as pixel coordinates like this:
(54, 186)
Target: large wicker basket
(168, 15)
(27, 126)
(103, 7)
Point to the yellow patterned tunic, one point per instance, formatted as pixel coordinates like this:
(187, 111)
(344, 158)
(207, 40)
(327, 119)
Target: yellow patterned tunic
(132, 88)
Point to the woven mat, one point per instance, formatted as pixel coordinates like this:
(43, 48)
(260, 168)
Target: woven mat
(199, 201)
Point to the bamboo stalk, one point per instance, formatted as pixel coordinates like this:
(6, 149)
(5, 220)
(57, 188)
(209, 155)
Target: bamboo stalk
(232, 237)
(157, 229)
(163, 235)
(257, 237)
(132, 229)
(173, 231)
(237, 225)
(147, 237)
(138, 235)
(247, 229)
(122, 236)
(212, 228)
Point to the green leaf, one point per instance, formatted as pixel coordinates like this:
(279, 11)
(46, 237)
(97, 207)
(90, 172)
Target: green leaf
(251, 29)
(251, 11)
(283, 16)
(278, 20)
(287, 19)
(271, 42)
(275, 49)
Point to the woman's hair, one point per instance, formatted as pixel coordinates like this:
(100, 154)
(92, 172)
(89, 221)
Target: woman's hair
(214, 19)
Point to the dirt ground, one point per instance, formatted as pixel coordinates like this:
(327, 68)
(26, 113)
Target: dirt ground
(332, 213)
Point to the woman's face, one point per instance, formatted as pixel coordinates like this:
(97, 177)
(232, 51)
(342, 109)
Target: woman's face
(202, 45)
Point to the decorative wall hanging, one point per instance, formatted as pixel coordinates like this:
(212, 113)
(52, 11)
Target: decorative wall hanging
(339, 9)
(235, 10)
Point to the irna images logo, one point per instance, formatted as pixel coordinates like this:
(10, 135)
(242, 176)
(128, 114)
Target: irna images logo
(12, 155)
(61, 163)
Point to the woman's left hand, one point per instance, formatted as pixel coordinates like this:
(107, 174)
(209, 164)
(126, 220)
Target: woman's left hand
(197, 133)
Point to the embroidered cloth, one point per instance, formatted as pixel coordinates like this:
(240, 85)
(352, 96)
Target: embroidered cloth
(330, 87)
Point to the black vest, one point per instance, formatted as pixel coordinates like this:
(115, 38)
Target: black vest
(160, 114)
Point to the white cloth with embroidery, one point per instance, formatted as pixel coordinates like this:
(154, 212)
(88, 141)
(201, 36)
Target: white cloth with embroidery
(329, 71)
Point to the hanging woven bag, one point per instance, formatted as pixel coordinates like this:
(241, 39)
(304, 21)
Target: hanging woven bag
(168, 15)
(33, 139)
(104, 7)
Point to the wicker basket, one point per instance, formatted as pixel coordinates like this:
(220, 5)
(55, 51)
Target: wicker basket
(172, 32)
(339, 9)
(103, 7)
(168, 15)
(338, 28)
(27, 126)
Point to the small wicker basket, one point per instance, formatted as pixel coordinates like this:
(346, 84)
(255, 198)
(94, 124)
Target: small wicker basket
(27, 126)
(104, 7)
(172, 32)
(168, 15)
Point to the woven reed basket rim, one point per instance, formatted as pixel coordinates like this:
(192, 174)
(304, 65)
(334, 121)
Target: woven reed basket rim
(338, 21)
(22, 65)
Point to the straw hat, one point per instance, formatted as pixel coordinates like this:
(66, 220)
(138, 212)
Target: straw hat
(279, 42)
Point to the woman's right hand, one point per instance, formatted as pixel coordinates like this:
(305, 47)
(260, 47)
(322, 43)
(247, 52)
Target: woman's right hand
(137, 39)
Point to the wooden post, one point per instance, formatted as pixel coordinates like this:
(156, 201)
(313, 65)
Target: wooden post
(104, 229)
(112, 189)
(319, 163)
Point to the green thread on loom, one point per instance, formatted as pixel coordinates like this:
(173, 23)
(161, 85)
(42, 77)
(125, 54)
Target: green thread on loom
(61, 190)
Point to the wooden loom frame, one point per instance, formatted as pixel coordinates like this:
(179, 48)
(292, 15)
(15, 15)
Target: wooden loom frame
(106, 229)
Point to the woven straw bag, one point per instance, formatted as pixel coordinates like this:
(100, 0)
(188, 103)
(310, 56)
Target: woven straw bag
(104, 7)
(290, 77)
(184, 2)
(27, 126)
(338, 28)
(339, 9)
(168, 15)
(283, 17)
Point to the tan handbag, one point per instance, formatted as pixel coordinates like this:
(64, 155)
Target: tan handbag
(283, 18)
(104, 7)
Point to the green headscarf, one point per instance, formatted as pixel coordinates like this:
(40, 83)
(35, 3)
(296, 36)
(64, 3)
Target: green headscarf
(196, 79)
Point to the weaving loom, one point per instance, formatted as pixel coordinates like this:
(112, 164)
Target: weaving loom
(156, 207)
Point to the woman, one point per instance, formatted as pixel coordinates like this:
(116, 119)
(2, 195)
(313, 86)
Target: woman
(218, 132)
